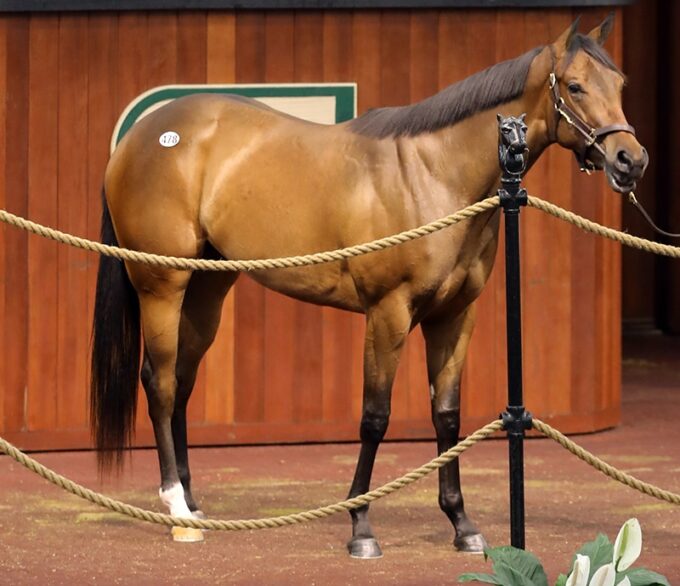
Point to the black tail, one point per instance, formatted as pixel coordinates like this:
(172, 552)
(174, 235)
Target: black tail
(115, 355)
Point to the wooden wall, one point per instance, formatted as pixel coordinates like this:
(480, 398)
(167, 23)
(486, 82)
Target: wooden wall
(280, 370)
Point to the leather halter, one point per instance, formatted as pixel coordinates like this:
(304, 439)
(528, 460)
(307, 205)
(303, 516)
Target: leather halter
(591, 135)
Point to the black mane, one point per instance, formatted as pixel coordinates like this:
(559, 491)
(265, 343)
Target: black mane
(499, 84)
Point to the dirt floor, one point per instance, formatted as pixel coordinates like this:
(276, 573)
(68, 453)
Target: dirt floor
(50, 537)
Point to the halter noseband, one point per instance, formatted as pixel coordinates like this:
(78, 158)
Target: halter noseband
(590, 134)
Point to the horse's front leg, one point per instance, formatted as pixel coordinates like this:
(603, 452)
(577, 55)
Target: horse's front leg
(387, 326)
(446, 339)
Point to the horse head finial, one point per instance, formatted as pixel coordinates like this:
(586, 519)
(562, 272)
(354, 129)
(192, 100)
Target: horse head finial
(512, 144)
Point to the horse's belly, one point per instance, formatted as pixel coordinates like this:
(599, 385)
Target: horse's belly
(321, 285)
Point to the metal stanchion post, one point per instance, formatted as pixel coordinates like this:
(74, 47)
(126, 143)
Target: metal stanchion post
(513, 155)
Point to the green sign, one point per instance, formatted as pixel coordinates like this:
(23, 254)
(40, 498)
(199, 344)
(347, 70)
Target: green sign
(322, 102)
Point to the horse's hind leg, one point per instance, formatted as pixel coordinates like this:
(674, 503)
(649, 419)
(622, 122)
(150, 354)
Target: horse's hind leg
(161, 293)
(446, 339)
(201, 313)
(388, 324)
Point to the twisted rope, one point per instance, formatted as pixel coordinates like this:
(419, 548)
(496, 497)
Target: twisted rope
(595, 228)
(173, 262)
(471, 211)
(606, 469)
(266, 523)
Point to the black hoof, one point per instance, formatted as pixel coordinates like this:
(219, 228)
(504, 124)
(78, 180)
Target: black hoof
(364, 548)
(470, 543)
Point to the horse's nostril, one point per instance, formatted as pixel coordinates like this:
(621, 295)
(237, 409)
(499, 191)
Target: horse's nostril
(624, 160)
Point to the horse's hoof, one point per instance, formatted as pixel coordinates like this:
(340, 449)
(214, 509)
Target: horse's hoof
(186, 534)
(198, 514)
(470, 543)
(364, 548)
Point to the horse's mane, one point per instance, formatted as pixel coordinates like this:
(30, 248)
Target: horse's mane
(499, 84)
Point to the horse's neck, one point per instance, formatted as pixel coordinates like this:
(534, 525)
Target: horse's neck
(466, 153)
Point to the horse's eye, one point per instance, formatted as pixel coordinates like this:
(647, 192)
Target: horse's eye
(575, 88)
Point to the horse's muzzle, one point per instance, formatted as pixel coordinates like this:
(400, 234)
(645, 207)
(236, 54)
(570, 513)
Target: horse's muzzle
(625, 168)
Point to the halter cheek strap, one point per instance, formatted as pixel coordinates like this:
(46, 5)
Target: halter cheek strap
(590, 134)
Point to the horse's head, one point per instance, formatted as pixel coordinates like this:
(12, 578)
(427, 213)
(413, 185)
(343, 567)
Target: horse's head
(585, 92)
(513, 133)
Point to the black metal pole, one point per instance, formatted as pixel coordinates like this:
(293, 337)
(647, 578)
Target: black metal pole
(513, 155)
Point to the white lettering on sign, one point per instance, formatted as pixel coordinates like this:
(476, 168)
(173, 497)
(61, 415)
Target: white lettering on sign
(169, 139)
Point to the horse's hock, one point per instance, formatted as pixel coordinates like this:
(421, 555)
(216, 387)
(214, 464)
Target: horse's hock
(575, 387)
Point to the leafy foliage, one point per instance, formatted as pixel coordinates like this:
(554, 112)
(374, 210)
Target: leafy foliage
(512, 567)
(516, 567)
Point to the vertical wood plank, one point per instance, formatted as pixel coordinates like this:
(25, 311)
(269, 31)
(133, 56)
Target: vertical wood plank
(191, 47)
(102, 116)
(15, 336)
(43, 276)
(308, 46)
(221, 47)
(163, 48)
(72, 331)
(3, 203)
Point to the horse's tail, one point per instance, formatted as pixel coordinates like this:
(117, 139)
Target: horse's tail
(115, 355)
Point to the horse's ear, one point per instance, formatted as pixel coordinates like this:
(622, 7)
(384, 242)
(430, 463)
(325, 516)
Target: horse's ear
(600, 33)
(523, 117)
(499, 117)
(563, 41)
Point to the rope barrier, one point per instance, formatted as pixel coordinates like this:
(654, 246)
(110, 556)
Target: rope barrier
(174, 262)
(342, 506)
(602, 466)
(595, 228)
(318, 258)
(245, 524)
(179, 263)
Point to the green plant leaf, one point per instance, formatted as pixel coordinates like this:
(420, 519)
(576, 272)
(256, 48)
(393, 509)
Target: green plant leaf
(561, 580)
(511, 576)
(642, 577)
(600, 551)
(514, 564)
(487, 578)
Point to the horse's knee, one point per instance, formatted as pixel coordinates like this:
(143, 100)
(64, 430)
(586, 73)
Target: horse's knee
(374, 426)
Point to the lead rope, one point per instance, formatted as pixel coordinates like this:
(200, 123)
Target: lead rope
(638, 206)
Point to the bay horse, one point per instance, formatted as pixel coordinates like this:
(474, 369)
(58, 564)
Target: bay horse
(238, 180)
